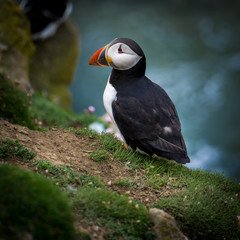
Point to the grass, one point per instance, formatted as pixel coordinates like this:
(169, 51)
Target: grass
(61, 175)
(99, 156)
(16, 107)
(52, 115)
(205, 204)
(126, 182)
(91, 201)
(13, 148)
(64, 176)
(207, 207)
(125, 219)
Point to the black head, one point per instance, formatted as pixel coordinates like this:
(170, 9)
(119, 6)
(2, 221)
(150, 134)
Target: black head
(123, 54)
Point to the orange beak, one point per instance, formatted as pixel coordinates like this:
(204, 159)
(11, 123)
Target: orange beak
(99, 58)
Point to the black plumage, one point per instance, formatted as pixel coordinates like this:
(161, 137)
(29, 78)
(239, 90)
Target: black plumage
(142, 110)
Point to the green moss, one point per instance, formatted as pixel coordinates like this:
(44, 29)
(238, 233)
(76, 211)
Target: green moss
(14, 105)
(53, 115)
(124, 219)
(49, 113)
(32, 208)
(15, 28)
(13, 148)
(53, 64)
(16, 46)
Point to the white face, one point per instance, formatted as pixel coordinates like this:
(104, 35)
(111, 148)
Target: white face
(122, 56)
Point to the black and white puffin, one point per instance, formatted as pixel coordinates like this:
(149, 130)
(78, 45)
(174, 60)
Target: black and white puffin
(143, 112)
(45, 16)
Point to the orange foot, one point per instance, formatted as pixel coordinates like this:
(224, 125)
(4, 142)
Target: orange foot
(125, 146)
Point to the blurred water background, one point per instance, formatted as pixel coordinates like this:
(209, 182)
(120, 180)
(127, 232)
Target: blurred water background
(192, 50)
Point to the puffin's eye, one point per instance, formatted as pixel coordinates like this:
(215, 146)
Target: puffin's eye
(120, 49)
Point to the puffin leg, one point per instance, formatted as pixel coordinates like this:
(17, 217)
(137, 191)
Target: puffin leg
(125, 146)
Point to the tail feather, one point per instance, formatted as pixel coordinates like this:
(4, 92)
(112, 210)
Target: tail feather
(168, 150)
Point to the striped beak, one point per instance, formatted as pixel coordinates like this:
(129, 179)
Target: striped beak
(100, 58)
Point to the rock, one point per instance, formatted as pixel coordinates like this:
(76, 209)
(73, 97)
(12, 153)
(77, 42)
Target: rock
(23, 131)
(23, 138)
(165, 225)
(16, 46)
(53, 64)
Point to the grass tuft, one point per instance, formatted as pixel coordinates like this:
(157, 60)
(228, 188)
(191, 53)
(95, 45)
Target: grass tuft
(64, 176)
(99, 156)
(126, 182)
(86, 132)
(13, 148)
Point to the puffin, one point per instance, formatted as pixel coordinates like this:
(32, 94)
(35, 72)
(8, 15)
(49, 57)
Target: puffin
(45, 16)
(142, 111)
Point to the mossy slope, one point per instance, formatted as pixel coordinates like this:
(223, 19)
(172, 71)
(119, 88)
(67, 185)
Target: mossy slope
(14, 104)
(52, 115)
(125, 219)
(29, 110)
(16, 46)
(206, 205)
(32, 208)
(90, 199)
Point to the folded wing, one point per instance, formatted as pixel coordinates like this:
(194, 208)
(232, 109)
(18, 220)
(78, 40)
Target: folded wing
(148, 121)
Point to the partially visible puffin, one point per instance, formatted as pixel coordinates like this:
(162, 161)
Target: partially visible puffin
(45, 16)
(143, 112)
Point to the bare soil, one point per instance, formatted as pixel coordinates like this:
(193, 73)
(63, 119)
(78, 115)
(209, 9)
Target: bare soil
(61, 147)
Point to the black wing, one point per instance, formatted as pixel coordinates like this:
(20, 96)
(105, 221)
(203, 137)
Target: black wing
(148, 120)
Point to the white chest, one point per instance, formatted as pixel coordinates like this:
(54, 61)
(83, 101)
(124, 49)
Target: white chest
(109, 95)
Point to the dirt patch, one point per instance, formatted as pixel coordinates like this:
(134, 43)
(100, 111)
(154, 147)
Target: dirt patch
(61, 147)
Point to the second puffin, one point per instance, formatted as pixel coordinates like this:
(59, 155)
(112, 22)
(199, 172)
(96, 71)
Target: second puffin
(143, 112)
